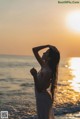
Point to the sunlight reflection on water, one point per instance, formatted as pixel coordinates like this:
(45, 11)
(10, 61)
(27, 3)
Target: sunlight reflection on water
(74, 66)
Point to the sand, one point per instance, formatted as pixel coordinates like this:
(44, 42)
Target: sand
(20, 112)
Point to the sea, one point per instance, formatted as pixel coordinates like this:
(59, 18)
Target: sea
(17, 85)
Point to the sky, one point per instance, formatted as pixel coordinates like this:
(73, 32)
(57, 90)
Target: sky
(28, 23)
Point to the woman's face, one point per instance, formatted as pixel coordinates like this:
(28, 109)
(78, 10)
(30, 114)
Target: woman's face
(45, 56)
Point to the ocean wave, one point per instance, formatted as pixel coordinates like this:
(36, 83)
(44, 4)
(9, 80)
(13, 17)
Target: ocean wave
(27, 84)
(67, 108)
(15, 64)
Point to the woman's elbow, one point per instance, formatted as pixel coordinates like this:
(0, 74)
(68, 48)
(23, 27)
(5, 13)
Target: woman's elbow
(34, 49)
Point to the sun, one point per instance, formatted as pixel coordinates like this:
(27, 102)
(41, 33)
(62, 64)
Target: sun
(73, 21)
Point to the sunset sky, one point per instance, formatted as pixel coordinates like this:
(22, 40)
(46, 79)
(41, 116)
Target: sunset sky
(28, 23)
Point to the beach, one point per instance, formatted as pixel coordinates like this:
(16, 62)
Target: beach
(23, 110)
(17, 94)
(20, 112)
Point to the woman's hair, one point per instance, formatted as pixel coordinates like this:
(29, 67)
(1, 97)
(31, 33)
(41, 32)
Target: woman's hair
(54, 56)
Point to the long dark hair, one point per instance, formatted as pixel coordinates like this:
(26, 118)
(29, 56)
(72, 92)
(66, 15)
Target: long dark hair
(53, 64)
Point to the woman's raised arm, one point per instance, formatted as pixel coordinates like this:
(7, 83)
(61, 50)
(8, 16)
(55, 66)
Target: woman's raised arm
(35, 51)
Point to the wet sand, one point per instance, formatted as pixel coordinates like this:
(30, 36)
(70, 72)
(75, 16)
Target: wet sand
(67, 116)
(22, 112)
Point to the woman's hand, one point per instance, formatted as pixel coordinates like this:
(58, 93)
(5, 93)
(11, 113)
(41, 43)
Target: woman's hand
(33, 72)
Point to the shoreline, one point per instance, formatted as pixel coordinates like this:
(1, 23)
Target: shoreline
(65, 116)
(17, 111)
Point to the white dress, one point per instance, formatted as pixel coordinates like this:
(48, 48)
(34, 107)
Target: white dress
(44, 103)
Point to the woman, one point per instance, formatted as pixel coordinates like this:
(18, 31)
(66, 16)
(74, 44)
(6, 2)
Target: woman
(45, 78)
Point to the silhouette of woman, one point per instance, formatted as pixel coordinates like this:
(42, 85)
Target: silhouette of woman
(45, 78)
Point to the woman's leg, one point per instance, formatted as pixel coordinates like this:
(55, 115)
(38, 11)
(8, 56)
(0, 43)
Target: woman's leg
(51, 115)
